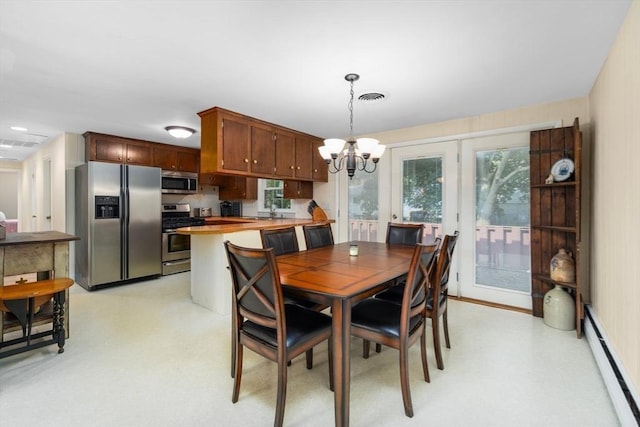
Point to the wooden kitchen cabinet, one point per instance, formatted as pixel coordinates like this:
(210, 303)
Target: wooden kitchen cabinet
(556, 216)
(238, 188)
(169, 157)
(234, 144)
(115, 149)
(320, 170)
(285, 150)
(263, 153)
(298, 189)
(304, 157)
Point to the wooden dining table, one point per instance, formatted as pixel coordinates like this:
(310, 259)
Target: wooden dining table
(331, 276)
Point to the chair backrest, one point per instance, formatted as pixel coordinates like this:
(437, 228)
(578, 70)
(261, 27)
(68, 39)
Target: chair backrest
(317, 235)
(257, 294)
(404, 234)
(282, 240)
(448, 244)
(415, 289)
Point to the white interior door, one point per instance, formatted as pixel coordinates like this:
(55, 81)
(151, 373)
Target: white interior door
(495, 235)
(47, 182)
(424, 182)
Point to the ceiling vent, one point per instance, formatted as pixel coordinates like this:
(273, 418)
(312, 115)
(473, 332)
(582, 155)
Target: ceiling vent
(371, 96)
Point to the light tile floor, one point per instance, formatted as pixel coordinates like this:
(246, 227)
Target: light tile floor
(144, 355)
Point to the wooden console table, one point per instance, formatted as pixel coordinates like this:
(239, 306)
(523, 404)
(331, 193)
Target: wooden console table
(45, 253)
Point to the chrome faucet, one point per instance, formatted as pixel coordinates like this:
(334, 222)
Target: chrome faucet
(272, 211)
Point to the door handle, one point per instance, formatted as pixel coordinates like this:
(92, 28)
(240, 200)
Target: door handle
(394, 216)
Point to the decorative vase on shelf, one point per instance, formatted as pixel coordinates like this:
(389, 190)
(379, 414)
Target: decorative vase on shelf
(559, 309)
(563, 267)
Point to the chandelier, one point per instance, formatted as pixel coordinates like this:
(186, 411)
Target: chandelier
(358, 154)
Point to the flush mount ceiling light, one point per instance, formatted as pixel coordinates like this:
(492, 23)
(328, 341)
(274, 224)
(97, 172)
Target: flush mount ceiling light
(180, 131)
(353, 157)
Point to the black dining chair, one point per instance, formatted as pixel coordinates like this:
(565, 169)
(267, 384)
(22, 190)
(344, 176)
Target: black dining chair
(285, 241)
(317, 235)
(439, 295)
(398, 234)
(399, 325)
(263, 323)
(404, 234)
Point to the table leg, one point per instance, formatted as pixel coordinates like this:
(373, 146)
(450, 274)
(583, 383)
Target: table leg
(58, 319)
(341, 328)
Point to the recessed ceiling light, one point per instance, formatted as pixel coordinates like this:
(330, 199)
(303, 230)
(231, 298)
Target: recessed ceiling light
(19, 128)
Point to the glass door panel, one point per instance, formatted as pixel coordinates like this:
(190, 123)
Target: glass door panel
(363, 207)
(495, 209)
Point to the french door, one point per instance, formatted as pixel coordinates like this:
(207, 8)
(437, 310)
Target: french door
(494, 221)
(424, 181)
(478, 186)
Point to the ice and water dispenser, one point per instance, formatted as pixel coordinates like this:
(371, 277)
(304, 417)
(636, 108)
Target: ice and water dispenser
(107, 207)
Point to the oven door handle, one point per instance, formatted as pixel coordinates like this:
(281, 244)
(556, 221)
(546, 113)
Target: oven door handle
(173, 230)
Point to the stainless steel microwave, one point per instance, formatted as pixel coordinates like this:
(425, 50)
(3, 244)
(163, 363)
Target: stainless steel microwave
(179, 182)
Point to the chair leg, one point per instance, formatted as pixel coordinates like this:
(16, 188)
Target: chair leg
(282, 393)
(423, 352)
(365, 348)
(310, 358)
(404, 381)
(237, 377)
(378, 348)
(435, 327)
(445, 324)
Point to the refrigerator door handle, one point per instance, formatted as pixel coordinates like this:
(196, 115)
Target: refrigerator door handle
(124, 250)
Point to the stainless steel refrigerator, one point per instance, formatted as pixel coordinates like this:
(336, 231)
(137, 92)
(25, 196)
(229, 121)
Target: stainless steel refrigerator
(119, 223)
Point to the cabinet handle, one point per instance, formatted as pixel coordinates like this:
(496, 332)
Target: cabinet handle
(246, 160)
(315, 170)
(255, 162)
(298, 167)
(291, 167)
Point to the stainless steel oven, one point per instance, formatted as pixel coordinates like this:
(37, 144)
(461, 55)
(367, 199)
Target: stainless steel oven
(176, 248)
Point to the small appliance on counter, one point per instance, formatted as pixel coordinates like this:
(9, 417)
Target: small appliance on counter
(202, 212)
(230, 208)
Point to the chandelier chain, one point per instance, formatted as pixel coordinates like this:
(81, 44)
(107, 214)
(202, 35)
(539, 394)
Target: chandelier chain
(351, 112)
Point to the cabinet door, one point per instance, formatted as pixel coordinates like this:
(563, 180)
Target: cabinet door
(238, 188)
(188, 161)
(138, 154)
(298, 189)
(320, 170)
(285, 154)
(304, 162)
(107, 149)
(165, 158)
(263, 155)
(235, 145)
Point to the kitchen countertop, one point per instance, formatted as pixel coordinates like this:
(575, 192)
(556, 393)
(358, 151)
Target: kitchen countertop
(224, 225)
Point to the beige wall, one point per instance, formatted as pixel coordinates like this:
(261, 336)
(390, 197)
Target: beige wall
(615, 270)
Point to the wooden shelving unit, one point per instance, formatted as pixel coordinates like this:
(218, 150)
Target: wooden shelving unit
(556, 214)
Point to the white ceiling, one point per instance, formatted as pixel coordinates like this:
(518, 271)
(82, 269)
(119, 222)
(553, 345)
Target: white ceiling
(130, 68)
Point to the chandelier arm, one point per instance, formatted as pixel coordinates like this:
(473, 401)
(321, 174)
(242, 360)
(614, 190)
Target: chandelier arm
(375, 165)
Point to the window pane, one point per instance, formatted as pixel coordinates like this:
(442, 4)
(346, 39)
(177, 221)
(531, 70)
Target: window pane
(422, 190)
(273, 195)
(502, 219)
(363, 207)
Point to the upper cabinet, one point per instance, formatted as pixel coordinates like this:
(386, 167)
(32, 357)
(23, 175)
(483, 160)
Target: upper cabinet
(116, 149)
(235, 144)
(108, 148)
(170, 157)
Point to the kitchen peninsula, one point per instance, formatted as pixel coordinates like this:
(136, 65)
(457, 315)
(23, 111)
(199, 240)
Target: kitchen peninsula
(210, 279)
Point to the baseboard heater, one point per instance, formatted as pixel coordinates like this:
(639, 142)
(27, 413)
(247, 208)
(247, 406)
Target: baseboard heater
(625, 400)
